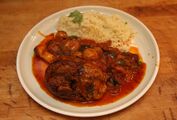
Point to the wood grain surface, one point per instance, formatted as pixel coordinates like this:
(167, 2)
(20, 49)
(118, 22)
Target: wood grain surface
(17, 17)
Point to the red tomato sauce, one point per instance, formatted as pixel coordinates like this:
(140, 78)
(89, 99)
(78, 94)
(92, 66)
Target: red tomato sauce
(39, 68)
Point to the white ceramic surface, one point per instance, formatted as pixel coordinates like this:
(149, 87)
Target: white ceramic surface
(144, 40)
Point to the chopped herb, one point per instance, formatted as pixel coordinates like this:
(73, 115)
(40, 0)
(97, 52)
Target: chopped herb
(121, 62)
(110, 54)
(139, 62)
(83, 47)
(77, 16)
(113, 81)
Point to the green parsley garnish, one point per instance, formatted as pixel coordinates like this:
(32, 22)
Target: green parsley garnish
(140, 62)
(77, 16)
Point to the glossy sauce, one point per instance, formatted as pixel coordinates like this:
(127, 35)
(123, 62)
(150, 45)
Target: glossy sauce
(39, 67)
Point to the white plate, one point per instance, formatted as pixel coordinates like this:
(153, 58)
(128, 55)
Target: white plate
(144, 40)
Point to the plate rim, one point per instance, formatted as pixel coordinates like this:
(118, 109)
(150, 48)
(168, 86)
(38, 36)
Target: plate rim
(133, 100)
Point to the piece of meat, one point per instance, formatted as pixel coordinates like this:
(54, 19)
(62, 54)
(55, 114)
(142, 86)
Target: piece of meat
(92, 82)
(71, 46)
(49, 48)
(128, 59)
(41, 51)
(64, 67)
(93, 71)
(54, 46)
(61, 79)
(92, 89)
(99, 89)
(125, 67)
(63, 47)
(58, 84)
(92, 53)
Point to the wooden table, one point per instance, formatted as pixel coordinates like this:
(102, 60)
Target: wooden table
(17, 17)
